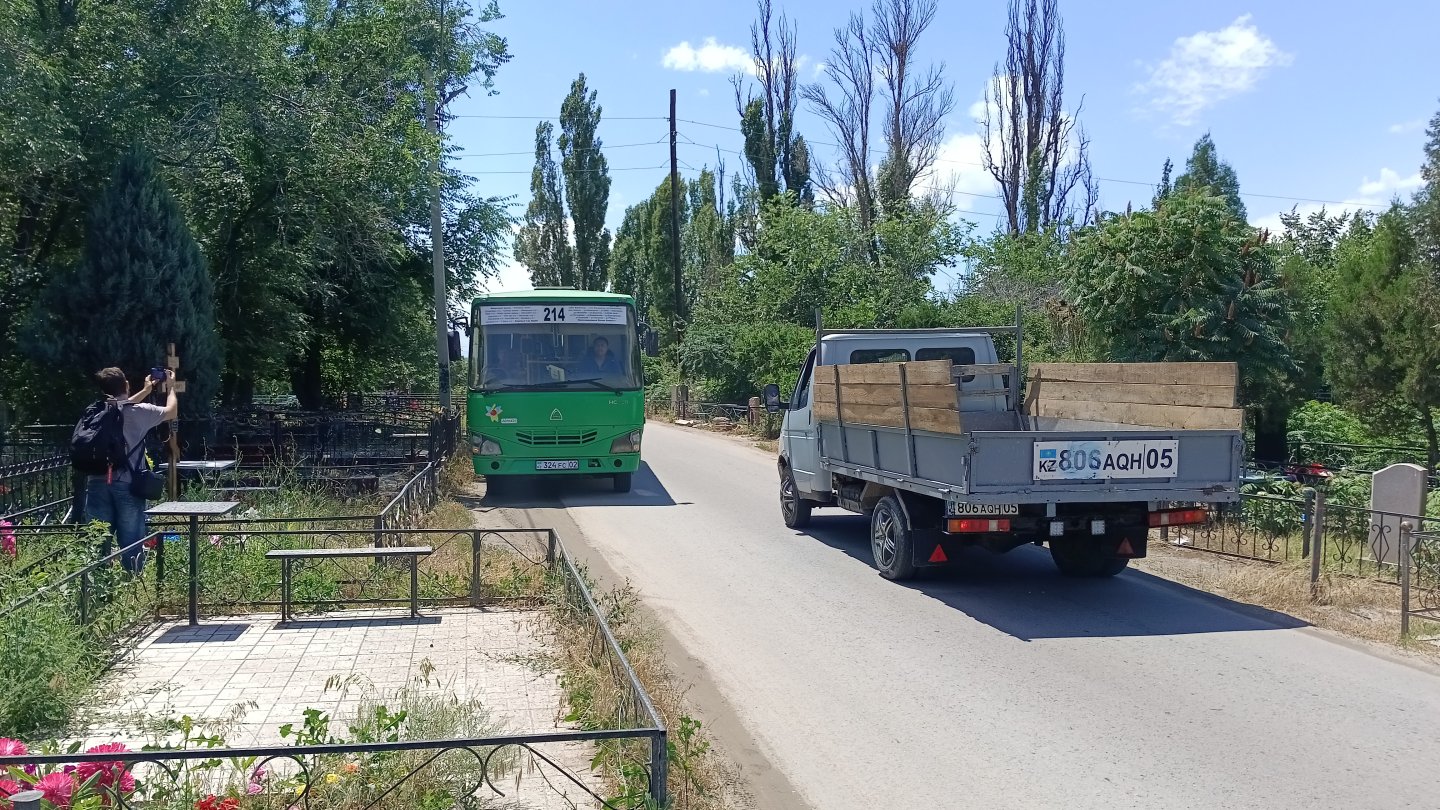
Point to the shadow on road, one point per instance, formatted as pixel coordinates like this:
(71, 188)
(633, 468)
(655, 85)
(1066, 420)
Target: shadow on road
(1023, 595)
(541, 492)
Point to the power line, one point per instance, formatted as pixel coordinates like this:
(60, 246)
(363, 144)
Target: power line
(600, 148)
(556, 118)
(585, 171)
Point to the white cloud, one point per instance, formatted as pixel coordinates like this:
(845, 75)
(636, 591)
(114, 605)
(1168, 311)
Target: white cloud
(1208, 67)
(704, 91)
(1406, 126)
(1389, 183)
(818, 71)
(710, 57)
(960, 163)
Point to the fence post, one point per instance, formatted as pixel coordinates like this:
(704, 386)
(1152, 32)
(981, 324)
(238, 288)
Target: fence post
(1307, 518)
(659, 768)
(550, 549)
(159, 572)
(1405, 556)
(27, 800)
(475, 568)
(84, 598)
(1317, 546)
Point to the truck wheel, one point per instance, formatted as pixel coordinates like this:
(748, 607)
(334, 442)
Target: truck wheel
(623, 481)
(891, 542)
(795, 509)
(1083, 557)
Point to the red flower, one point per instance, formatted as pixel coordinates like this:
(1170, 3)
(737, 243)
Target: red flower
(12, 748)
(57, 788)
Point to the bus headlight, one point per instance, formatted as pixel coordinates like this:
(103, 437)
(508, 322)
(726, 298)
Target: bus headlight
(483, 446)
(629, 443)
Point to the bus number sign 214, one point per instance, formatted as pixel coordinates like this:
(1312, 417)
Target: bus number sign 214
(554, 314)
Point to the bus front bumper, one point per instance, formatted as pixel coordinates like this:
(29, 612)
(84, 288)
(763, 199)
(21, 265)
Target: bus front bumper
(567, 465)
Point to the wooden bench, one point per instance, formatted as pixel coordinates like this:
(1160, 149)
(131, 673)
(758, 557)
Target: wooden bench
(288, 556)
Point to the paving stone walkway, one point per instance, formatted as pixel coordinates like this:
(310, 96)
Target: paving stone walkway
(250, 675)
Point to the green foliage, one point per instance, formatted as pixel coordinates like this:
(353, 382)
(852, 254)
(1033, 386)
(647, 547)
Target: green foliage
(543, 244)
(1188, 281)
(142, 284)
(1384, 318)
(731, 363)
(293, 137)
(1205, 173)
(587, 184)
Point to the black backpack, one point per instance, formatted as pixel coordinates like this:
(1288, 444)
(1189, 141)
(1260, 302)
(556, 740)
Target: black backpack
(98, 443)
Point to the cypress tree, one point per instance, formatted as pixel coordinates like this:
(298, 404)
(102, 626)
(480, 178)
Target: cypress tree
(142, 283)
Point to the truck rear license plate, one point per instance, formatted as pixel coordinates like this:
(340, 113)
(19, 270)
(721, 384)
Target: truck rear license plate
(1102, 460)
(557, 465)
(983, 509)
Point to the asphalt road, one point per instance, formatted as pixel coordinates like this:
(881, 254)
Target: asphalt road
(996, 684)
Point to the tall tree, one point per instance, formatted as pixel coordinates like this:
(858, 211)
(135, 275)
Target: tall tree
(587, 184)
(1384, 320)
(912, 106)
(776, 153)
(916, 101)
(142, 284)
(1205, 170)
(543, 244)
(1190, 281)
(1033, 148)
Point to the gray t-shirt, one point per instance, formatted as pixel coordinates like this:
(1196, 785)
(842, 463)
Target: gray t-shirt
(140, 419)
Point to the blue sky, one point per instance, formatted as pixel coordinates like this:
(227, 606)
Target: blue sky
(1320, 101)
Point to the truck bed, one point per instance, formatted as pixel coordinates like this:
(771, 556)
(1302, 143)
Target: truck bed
(903, 434)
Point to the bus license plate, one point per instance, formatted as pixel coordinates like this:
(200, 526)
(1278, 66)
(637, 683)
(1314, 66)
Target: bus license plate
(557, 465)
(983, 509)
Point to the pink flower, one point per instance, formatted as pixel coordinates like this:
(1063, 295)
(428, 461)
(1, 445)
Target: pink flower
(112, 774)
(9, 747)
(9, 787)
(253, 788)
(7, 544)
(57, 788)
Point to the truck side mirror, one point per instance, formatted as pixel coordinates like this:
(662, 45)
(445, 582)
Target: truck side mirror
(773, 403)
(457, 353)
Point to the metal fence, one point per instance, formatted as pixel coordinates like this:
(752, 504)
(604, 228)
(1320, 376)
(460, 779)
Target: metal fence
(632, 735)
(38, 490)
(1419, 577)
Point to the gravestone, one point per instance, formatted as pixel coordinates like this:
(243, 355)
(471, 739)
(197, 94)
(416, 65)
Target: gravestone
(1396, 493)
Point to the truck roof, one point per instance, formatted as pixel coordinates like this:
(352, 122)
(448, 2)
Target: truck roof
(891, 335)
(578, 296)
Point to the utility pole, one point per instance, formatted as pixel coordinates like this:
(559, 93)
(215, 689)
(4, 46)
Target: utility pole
(675, 217)
(437, 250)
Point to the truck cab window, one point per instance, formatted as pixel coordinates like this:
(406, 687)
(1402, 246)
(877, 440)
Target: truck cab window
(802, 387)
(860, 356)
(958, 356)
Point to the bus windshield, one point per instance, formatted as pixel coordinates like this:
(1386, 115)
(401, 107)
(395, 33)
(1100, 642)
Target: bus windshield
(553, 347)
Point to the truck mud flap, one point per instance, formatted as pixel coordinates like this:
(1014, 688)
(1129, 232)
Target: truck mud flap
(935, 549)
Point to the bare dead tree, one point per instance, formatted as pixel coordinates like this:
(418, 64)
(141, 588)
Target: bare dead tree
(1033, 148)
(916, 101)
(776, 155)
(845, 108)
(913, 104)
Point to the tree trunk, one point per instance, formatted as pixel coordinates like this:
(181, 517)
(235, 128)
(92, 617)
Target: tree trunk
(305, 377)
(1272, 423)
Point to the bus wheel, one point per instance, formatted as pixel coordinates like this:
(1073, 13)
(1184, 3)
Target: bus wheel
(623, 481)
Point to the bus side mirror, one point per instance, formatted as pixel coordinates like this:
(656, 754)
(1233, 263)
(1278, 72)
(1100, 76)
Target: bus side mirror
(652, 344)
(773, 403)
(457, 353)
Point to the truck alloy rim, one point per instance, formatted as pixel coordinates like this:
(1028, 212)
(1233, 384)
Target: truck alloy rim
(882, 537)
(788, 496)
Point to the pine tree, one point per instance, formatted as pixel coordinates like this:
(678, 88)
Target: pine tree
(142, 283)
(1205, 169)
(587, 184)
(543, 244)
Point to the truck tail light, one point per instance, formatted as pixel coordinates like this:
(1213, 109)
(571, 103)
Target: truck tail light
(976, 525)
(1178, 517)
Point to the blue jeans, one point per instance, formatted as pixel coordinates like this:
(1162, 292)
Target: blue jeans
(113, 504)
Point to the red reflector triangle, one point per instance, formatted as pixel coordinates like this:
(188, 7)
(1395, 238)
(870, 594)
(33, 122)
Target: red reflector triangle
(1125, 549)
(938, 555)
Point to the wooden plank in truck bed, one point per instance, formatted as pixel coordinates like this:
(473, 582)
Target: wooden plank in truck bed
(925, 372)
(1201, 396)
(1174, 417)
(923, 396)
(935, 420)
(1139, 373)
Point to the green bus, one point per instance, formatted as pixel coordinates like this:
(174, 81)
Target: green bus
(556, 384)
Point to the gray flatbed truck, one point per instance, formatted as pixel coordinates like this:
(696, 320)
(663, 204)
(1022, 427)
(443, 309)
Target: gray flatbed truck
(928, 434)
